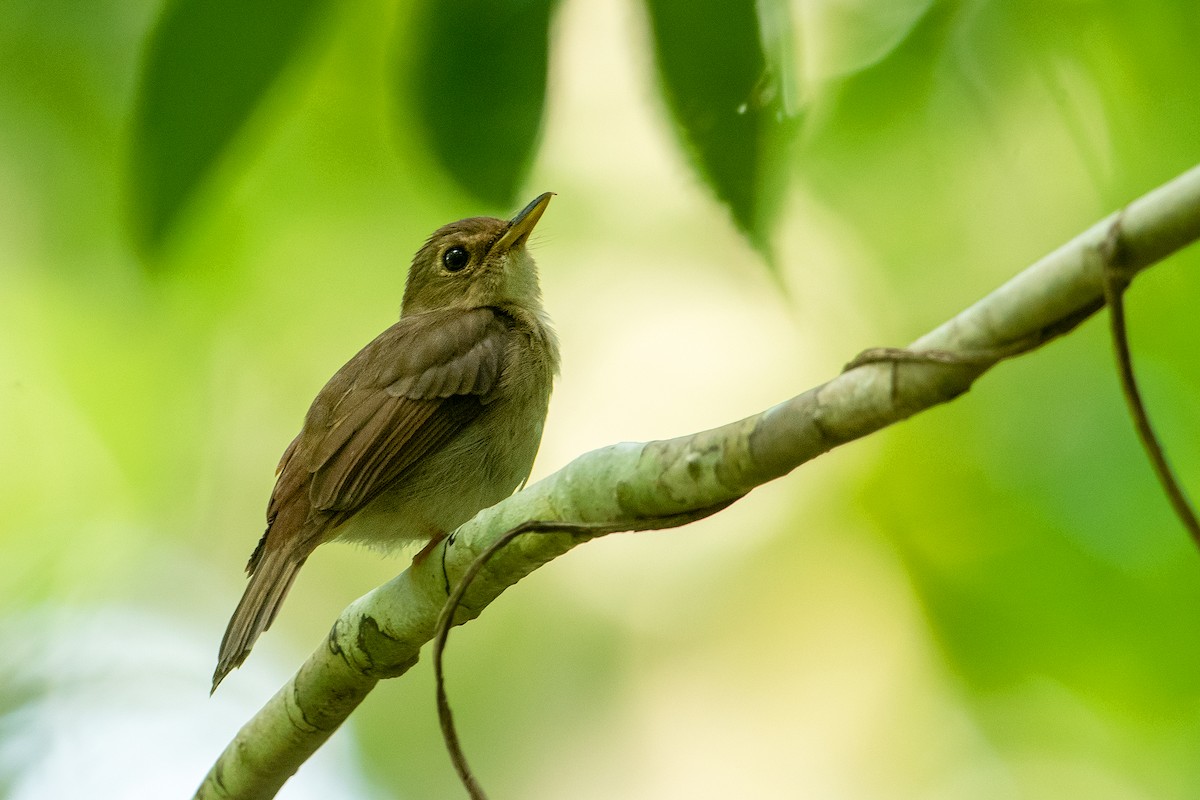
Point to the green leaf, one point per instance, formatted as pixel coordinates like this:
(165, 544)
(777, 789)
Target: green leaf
(846, 37)
(477, 82)
(207, 66)
(726, 75)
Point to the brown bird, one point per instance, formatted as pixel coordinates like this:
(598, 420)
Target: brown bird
(440, 416)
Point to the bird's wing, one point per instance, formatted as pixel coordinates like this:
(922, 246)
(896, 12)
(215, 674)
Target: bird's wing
(405, 395)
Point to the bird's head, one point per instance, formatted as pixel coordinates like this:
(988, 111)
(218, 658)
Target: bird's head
(475, 262)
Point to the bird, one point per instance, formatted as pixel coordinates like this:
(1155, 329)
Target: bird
(438, 417)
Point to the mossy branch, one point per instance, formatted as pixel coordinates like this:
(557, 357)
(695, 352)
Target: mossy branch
(635, 486)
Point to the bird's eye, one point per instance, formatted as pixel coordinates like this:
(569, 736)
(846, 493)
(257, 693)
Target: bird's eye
(455, 258)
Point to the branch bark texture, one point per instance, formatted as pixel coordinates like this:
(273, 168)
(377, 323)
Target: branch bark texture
(636, 486)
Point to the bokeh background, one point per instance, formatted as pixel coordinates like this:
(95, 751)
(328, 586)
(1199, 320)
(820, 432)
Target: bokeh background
(991, 600)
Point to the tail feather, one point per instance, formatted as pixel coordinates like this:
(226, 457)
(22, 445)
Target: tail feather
(269, 583)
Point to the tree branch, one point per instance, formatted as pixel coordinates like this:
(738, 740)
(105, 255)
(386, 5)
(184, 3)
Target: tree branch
(636, 486)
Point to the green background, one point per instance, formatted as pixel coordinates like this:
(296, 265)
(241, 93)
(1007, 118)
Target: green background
(991, 600)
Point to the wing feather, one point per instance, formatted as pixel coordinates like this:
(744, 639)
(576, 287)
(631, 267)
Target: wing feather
(404, 396)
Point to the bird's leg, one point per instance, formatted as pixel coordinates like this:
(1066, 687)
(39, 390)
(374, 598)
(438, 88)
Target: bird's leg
(424, 552)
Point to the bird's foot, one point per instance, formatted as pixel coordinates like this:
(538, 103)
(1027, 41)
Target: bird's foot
(424, 552)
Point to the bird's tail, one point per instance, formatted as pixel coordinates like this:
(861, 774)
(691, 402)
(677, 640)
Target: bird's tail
(271, 576)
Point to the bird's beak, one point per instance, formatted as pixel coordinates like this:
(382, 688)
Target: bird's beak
(520, 225)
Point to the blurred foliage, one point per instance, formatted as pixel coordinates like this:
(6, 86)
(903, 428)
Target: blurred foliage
(474, 73)
(208, 66)
(726, 72)
(471, 76)
(991, 600)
